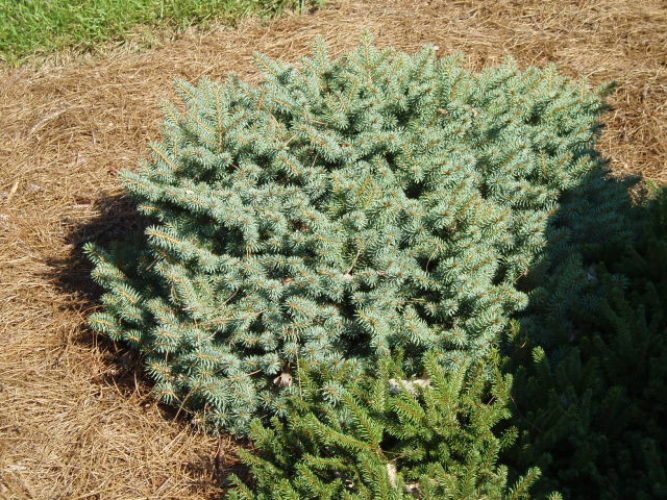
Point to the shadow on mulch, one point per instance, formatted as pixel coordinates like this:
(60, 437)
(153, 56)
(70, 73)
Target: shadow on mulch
(118, 220)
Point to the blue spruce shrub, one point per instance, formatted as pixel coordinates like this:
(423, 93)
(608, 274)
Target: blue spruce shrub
(340, 210)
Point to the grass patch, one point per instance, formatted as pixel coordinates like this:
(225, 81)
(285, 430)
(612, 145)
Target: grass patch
(29, 27)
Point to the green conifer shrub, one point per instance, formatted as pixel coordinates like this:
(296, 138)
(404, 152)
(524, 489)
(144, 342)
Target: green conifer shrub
(597, 221)
(341, 209)
(387, 437)
(589, 387)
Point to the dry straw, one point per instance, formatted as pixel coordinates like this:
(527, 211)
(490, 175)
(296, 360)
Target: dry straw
(76, 420)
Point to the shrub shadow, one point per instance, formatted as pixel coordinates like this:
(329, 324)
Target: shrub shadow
(118, 220)
(579, 352)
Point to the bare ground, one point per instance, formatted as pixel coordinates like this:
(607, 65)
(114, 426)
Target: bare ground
(76, 419)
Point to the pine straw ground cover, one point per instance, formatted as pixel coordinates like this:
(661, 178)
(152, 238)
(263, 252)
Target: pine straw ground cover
(76, 419)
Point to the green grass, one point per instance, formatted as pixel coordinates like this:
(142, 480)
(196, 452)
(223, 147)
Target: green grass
(29, 27)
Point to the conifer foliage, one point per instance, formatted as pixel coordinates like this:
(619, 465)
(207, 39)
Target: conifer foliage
(589, 391)
(344, 208)
(387, 437)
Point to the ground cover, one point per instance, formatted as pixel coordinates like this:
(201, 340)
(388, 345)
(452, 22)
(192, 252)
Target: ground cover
(40, 27)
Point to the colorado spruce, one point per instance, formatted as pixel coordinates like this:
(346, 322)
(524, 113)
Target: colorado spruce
(343, 208)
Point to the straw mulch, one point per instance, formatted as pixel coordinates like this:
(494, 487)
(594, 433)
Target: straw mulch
(76, 418)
